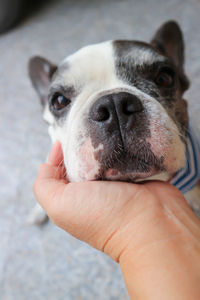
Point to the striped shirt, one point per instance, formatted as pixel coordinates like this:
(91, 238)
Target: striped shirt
(187, 177)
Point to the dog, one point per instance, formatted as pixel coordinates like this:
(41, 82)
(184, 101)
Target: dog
(118, 110)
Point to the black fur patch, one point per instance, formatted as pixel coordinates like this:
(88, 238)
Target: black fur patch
(142, 76)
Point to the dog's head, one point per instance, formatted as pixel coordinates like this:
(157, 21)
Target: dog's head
(117, 107)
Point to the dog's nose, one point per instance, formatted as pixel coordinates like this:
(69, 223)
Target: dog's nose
(115, 108)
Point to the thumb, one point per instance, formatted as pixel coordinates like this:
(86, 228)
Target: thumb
(56, 155)
(49, 182)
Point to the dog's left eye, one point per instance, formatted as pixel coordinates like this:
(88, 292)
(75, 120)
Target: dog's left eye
(165, 78)
(59, 102)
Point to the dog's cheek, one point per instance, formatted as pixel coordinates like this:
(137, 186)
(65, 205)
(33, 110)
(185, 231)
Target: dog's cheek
(165, 142)
(181, 114)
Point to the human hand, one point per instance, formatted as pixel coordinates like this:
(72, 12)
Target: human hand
(106, 214)
(143, 221)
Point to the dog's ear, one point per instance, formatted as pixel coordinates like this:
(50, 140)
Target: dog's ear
(168, 40)
(41, 72)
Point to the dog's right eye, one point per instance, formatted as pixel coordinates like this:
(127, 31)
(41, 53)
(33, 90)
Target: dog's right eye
(165, 78)
(59, 102)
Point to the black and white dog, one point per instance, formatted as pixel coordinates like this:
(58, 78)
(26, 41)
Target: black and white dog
(118, 110)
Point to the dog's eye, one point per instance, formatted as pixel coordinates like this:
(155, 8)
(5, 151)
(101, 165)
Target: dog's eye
(165, 79)
(59, 102)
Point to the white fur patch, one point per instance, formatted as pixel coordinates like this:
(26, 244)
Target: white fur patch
(47, 115)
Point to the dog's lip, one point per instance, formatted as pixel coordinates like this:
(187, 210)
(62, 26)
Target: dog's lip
(116, 175)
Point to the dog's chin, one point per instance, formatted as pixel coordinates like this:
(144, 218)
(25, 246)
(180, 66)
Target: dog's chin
(116, 175)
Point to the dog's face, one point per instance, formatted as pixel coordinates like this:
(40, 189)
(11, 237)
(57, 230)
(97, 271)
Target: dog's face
(117, 107)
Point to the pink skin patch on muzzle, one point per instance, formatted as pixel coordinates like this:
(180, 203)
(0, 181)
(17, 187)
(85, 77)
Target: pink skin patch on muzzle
(113, 174)
(89, 166)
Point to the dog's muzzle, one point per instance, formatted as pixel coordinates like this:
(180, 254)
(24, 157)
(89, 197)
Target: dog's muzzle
(118, 126)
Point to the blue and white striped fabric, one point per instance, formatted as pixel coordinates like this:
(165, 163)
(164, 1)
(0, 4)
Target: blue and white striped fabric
(186, 178)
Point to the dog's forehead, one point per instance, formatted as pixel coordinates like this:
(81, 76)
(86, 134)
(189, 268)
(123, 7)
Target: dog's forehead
(101, 61)
(87, 65)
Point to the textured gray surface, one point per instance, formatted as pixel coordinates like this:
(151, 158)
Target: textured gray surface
(46, 263)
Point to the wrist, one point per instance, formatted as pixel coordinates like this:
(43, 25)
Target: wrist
(159, 250)
(163, 270)
(163, 263)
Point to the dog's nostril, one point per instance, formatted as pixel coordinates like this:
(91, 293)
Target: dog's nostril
(101, 114)
(129, 107)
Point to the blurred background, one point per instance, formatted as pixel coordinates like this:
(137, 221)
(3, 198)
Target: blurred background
(39, 263)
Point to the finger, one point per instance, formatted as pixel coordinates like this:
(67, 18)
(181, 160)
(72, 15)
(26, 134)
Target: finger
(47, 171)
(56, 155)
(56, 159)
(48, 185)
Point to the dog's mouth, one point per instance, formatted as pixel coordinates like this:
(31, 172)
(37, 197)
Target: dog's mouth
(131, 168)
(116, 175)
(119, 162)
